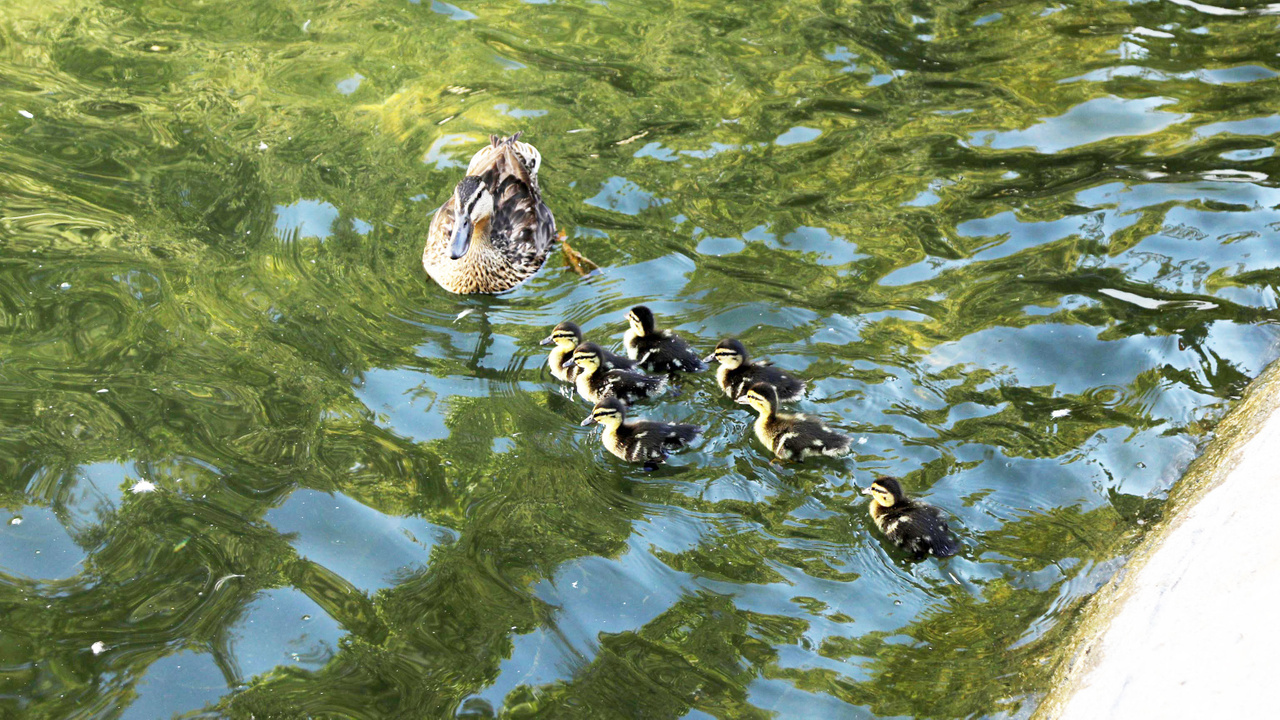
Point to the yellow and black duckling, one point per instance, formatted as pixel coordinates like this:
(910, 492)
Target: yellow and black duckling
(566, 336)
(638, 441)
(494, 232)
(791, 437)
(737, 372)
(594, 382)
(912, 525)
(660, 351)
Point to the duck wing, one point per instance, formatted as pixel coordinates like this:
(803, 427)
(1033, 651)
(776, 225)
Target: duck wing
(522, 224)
(676, 435)
(788, 387)
(924, 530)
(614, 361)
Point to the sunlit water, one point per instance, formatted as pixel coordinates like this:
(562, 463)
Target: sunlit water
(254, 463)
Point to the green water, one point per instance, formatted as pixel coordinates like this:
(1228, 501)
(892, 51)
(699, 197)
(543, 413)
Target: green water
(1024, 251)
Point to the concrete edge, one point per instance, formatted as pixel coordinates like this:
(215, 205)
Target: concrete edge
(1082, 653)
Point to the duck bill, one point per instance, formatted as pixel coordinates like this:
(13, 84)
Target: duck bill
(568, 363)
(866, 491)
(742, 400)
(588, 420)
(461, 241)
(548, 340)
(709, 358)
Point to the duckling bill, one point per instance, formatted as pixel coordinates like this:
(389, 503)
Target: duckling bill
(657, 350)
(791, 437)
(594, 382)
(738, 371)
(918, 528)
(638, 441)
(494, 232)
(566, 336)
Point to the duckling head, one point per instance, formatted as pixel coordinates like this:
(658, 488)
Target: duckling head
(641, 320)
(609, 412)
(763, 397)
(586, 356)
(566, 335)
(473, 206)
(885, 492)
(729, 352)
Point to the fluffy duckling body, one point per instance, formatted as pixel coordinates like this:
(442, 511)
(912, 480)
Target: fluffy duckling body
(791, 437)
(494, 232)
(638, 441)
(594, 382)
(566, 336)
(660, 351)
(737, 372)
(919, 528)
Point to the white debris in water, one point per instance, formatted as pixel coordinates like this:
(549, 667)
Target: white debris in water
(862, 440)
(25, 114)
(463, 314)
(224, 579)
(65, 285)
(103, 390)
(1060, 413)
(16, 521)
(143, 486)
(262, 145)
(306, 25)
(98, 648)
(1142, 302)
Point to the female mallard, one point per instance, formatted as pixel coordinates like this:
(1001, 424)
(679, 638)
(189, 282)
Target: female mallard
(494, 232)
(660, 351)
(566, 336)
(638, 441)
(918, 528)
(791, 437)
(594, 383)
(737, 372)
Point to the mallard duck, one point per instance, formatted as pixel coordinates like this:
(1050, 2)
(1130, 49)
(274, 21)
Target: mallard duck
(494, 232)
(566, 336)
(638, 441)
(791, 437)
(912, 525)
(737, 373)
(660, 351)
(594, 383)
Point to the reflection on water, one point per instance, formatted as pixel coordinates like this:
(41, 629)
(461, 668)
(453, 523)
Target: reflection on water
(1022, 254)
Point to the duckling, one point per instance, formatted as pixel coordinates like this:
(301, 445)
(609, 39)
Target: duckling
(660, 351)
(494, 232)
(912, 525)
(566, 336)
(791, 437)
(638, 441)
(595, 383)
(737, 372)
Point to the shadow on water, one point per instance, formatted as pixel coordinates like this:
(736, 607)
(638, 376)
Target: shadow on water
(254, 464)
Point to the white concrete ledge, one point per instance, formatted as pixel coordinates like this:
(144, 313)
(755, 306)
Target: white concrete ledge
(1190, 628)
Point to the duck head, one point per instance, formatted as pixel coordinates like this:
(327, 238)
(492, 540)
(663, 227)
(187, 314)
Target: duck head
(885, 492)
(566, 335)
(729, 353)
(609, 412)
(762, 397)
(586, 356)
(474, 208)
(641, 320)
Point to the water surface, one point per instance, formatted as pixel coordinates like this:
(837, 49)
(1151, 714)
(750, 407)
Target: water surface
(253, 463)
